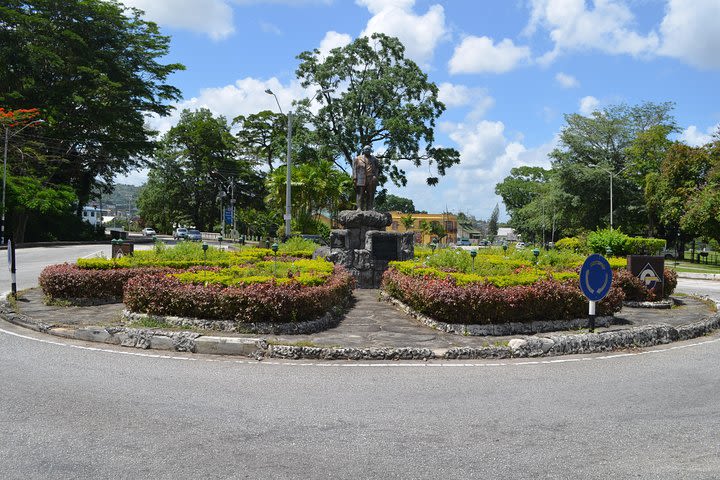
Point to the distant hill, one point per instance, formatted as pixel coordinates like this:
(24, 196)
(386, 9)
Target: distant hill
(123, 199)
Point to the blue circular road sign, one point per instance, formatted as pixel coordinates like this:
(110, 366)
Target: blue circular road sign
(595, 277)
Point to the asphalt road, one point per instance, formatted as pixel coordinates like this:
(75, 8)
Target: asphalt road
(77, 410)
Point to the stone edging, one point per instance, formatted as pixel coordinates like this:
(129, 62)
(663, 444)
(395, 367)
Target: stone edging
(258, 348)
(329, 320)
(659, 305)
(498, 329)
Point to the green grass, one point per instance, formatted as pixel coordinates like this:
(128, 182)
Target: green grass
(692, 267)
(151, 322)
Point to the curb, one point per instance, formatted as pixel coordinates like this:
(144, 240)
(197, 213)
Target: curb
(699, 276)
(259, 348)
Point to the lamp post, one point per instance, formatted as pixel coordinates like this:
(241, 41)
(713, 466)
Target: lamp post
(288, 161)
(611, 173)
(5, 155)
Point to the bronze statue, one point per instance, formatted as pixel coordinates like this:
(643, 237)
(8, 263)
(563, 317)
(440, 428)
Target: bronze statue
(366, 170)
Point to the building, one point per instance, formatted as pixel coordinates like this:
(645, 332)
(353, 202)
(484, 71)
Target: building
(446, 220)
(95, 216)
(466, 231)
(506, 234)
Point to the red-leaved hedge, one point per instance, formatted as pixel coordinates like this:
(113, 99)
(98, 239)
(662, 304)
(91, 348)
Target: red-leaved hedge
(260, 302)
(445, 301)
(68, 281)
(635, 289)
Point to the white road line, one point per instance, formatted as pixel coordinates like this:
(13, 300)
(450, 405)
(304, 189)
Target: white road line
(380, 364)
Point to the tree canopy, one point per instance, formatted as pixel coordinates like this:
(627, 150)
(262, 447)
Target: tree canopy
(380, 98)
(92, 69)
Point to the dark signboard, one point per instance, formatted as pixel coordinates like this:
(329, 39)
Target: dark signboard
(385, 247)
(649, 269)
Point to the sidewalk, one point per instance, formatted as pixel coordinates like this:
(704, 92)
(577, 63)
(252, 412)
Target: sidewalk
(370, 329)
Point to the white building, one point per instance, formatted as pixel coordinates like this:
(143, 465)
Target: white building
(95, 216)
(506, 234)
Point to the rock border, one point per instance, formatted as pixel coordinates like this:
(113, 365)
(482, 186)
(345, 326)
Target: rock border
(660, 305)
(259, 348)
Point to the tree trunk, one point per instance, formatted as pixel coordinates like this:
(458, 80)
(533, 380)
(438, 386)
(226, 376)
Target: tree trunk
(19, 224)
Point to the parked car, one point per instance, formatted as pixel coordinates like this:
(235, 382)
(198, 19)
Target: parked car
(520, 245)
(194, 235)
(669, 254)
(463, 242)
(148, 232)
(180, 233)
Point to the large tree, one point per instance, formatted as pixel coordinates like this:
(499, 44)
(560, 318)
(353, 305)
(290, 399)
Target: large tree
(92, 68)
(388, 202)
(197, 161)
(380, 98)
(621, 142)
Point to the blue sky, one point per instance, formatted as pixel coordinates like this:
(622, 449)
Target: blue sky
(508, 70)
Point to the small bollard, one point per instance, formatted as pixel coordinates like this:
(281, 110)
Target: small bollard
(473, 254)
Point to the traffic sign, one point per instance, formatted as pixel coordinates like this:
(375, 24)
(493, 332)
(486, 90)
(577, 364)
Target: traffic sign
(228, 215)
(595, 277)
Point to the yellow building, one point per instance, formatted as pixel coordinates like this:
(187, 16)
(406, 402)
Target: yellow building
(446, 220)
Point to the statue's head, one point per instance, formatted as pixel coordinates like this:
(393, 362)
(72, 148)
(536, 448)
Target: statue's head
(367, 149)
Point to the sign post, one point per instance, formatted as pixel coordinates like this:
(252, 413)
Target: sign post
(11, 266)
(595, 282)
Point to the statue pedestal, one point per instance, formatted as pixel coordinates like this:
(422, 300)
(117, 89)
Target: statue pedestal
(365, 248)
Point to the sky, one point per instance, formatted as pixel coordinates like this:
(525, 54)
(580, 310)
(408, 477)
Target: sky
(508, 70)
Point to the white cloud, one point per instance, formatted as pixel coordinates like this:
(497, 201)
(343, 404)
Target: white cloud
(455, 95)
(244, 97)
(690, 32)
(566, 81)
(270, 28)
(588, 105)
(696, 138)
(573, 26)
(210, 17)
(481, 54)
(332, 40)
(419, 33)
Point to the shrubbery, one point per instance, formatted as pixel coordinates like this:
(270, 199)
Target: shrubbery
(478, 303)
(635, 289)
(304, 272)
(70, 282)
(622, 245)
(258, 302)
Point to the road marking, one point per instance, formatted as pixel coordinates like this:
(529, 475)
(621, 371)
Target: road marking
(379, 364)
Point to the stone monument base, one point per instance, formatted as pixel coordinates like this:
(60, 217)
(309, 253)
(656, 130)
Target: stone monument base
(365, 248)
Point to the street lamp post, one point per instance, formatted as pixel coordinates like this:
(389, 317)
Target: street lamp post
(5, 155)
(611, 173)
(288, 162)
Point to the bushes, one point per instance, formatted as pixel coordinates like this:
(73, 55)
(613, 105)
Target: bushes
(572, 244)
(621, 244)
(259, 302)
(69, 282)
(635, 290)
(445, 300)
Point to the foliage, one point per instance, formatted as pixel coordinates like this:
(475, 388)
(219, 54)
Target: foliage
(262, 135)
(621, 244)
(380, 97)
(70, 282)
(635, 289)
(304, 272)
(387, 202)
(493, 223)
(476, 303)
(316, 187)
(257, 302)
(408, 221)
(573, 244)
(297, 247)
(92, 68)
(194, 167)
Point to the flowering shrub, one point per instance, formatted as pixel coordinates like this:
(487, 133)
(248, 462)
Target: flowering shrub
(483, 303)
(67, 281)
(257, 302)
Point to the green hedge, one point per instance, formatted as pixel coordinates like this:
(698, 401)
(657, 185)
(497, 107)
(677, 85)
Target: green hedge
(621, 244)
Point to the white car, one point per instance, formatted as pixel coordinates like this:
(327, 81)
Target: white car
(520, 245)
(148, 232)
